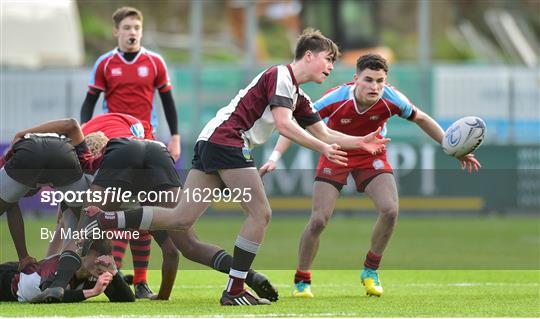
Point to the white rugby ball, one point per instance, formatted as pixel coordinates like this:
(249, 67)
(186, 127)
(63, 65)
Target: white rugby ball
(464, 136)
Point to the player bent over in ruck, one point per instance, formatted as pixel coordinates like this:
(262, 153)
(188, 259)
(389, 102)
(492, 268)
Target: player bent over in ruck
(140, 165)
(33, 161)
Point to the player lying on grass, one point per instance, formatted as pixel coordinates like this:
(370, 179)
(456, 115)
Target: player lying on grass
(223, 155)
(97, 275)
(136, 164)
(357, 108)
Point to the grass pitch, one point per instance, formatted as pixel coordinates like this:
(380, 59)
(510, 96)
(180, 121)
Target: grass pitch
(408, 293)
(434, 267)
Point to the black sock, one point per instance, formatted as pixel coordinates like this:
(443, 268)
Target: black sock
(222, 261)
(68, 264)
(134, 218)
(244, 253)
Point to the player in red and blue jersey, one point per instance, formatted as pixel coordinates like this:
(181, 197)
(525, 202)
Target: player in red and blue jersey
(357, 108)
(115, 125)
(129, 75)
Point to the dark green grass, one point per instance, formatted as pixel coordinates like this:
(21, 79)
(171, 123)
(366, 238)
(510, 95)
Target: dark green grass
(433, 267)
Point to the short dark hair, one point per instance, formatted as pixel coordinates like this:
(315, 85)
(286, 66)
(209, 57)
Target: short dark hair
(124, 12)
(314, 41)
(371, 61)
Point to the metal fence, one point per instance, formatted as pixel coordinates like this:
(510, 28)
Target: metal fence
(507, 98)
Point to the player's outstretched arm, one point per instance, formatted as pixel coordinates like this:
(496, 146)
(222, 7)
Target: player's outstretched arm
(369, 143)
(429, 126)
(435, 131)
(290, 129)
(67, 127)
(281, 147)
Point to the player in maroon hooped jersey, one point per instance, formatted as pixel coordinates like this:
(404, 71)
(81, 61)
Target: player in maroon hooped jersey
(223, 154)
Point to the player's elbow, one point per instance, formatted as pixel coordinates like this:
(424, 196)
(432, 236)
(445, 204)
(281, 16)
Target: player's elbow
(71, 125)
(283, 126)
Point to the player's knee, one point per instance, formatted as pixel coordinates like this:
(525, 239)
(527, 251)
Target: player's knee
(182, 223)
(390, 213)
(170, 252)
(318, 224)
(168, 248)
(266, 215)
(263, 216)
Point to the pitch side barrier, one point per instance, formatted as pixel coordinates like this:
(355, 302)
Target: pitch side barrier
(428, 181)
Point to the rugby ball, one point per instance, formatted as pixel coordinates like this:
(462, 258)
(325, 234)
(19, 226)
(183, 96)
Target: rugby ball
(464, 136)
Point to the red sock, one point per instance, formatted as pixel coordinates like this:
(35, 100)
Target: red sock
(235, 285)
(140, 251)
(236, 281)
(302, 276)
(372, 261)
(119, 250)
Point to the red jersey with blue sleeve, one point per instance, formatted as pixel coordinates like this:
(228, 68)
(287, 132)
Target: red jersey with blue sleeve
(339, 108)
(115, 125)
(130, 86)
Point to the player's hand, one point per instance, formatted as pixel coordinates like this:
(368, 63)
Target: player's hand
(372, 144)
(267, 168)
(26, 262)
(174, 147)
(102, 282)
(335, 155)
(470, 163)
(157, 297)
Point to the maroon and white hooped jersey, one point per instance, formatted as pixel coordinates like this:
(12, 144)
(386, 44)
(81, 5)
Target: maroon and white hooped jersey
(247, 121)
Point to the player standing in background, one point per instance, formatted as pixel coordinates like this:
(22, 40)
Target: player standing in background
(223, 155)
(357, 108)
(129, 75)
